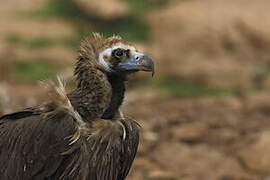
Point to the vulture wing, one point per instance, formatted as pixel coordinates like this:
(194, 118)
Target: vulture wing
(131, 146)
(112, 149)
(36, 145)
(31, 144)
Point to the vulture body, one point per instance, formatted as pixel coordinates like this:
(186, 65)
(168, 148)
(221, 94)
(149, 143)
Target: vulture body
(81, 135)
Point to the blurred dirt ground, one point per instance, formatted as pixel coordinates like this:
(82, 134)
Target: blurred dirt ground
(204, 116)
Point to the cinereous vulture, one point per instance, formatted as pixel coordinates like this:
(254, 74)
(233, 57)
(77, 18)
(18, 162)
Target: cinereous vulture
(79, 135)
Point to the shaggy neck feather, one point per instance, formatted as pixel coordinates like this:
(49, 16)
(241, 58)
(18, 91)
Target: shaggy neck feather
(98, 94)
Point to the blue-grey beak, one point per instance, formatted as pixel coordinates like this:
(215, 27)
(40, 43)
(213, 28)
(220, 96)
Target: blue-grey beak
(137, 62)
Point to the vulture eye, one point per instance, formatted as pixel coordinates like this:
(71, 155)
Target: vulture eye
(118, 52)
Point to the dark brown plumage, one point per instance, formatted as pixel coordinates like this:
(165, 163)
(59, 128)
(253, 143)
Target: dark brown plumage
(80, 135)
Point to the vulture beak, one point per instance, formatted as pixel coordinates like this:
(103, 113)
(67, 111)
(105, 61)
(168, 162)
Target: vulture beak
(138, 62)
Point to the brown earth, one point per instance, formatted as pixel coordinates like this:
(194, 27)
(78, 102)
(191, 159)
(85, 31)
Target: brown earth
(106, 9)
(211, 43)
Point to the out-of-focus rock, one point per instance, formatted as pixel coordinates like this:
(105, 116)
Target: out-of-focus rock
(162, 175)
(31, 29)
(256, 157)
(19, 6)
(216, 43)
(197, 162)
(189, 132)
(5, 105)
(58, 55)
(222, 136)
(106, 9)
(258, 102)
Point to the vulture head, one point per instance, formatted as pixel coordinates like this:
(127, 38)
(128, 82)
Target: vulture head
(114, 56)
(101, 71)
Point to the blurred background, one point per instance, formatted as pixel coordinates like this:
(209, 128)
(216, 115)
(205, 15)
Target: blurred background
(206, 113)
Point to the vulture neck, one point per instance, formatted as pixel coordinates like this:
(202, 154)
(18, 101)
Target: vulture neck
(98, 94)
(118, 90)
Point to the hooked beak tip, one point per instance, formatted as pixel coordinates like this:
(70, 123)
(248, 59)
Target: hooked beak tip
(148, 64)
